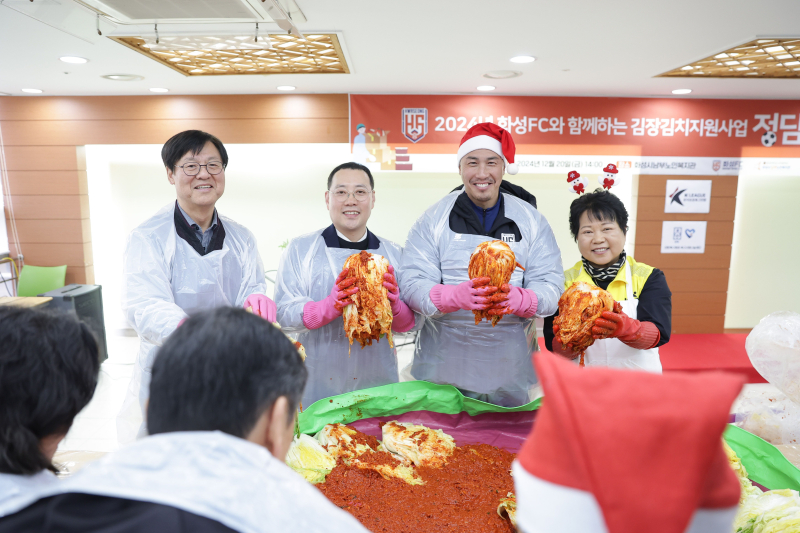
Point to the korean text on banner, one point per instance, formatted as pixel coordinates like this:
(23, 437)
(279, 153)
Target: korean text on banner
(683, 237)
(688, 196)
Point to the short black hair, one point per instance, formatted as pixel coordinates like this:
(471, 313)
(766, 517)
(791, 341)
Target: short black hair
(48, 373)
(190, 141)
(351, 165)
(601, 205)
(220, 371)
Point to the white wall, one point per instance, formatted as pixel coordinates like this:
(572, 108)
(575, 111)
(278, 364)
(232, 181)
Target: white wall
(5, 268)
(766, 250)
(277, 191)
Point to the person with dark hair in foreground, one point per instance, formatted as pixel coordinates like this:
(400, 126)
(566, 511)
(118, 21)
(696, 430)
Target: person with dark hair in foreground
(185, 259)
(223, 401)
(48, 373)
(312, 290)
(629, 338)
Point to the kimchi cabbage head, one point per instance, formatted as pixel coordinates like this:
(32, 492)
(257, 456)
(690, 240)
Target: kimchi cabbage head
(775, 511)
(578, 308)
(748, 489)
(420, 445)
(495, 260)
(338, 440)
(309, 459)
(370, 315)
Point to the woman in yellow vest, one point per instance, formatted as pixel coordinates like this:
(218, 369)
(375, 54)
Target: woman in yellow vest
(630, 336)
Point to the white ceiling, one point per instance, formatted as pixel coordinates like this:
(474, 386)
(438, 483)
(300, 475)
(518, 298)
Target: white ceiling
(582, 48)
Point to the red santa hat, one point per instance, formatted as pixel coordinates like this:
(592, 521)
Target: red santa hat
(619, 451)
(491, 137)
(611, 168)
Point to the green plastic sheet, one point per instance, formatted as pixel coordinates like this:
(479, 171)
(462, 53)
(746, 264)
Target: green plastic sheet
(765, 464)
(396, 399)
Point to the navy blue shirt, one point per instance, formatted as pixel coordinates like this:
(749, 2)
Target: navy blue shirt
(487, 216)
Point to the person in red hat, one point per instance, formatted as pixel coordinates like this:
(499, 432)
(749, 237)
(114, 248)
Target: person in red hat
(596, 462)
(488, 363)
(628, 337)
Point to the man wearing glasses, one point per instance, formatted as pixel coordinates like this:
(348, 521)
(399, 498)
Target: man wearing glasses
(311, 289)
(185, 259)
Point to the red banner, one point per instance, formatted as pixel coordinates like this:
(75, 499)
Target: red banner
(569, 125)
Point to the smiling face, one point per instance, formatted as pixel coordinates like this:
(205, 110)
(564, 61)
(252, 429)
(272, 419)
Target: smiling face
(350, 201)
(482, 171)
(599, 241)
(204, 189)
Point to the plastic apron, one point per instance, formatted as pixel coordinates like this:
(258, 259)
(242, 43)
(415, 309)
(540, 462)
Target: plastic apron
(614, 353)
(492, 364)
(214, 475)
(334, 367)
(196, 283)
(18, 492)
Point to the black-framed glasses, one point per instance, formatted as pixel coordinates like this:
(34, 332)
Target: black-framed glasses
(193, 169)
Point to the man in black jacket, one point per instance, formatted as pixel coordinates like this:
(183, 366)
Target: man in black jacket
(489, 363)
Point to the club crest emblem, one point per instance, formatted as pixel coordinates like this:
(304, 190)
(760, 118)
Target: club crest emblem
(415, 123)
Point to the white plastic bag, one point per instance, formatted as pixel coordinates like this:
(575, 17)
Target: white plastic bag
(774, 350)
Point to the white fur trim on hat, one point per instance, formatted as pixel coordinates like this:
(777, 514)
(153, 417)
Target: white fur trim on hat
(481, 142)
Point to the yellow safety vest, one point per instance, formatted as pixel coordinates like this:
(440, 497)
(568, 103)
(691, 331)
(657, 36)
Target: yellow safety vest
(639, 272)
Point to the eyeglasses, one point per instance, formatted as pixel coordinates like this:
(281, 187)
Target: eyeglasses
(193, 169)
(341, 195)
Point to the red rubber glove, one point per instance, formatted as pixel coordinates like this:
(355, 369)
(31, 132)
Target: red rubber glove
(318, 314)
(515, 300)
(262, 306)
(402, 315)
(616, 324)
(559, 349)
(471, 295)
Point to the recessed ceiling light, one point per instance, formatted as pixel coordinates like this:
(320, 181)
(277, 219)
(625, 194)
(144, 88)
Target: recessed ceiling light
(681, 91)
(523, 59)
(159, 90)
(123, 77)
(33, 91)
(74, 59)
(286, 87)
(486, 88)
(502, 74)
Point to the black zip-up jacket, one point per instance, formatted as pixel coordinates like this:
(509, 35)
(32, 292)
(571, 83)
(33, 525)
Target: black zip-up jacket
(463, 218)
(88, 513)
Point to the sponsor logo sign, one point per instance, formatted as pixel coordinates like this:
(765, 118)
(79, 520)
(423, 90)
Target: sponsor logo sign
(688, 196)
(683, 237)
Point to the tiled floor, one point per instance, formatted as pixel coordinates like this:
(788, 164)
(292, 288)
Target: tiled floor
(94, 428)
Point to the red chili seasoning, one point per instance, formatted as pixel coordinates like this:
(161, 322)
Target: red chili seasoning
(461, 496)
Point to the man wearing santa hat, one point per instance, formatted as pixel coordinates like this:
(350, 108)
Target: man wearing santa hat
(596, 462)
(491, 364)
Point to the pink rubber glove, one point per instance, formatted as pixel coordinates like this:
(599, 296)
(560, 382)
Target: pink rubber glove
(262, 306)
(471, 295)
(518, 301)
(318, 314)
(402, 315)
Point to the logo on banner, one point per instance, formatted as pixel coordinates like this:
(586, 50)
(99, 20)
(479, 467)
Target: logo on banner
(688, 196)
(716, 164)
(676, 196)
(415, 123)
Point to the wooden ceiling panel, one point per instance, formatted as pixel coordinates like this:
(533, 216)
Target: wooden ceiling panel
(316, 54)
(762, 58)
